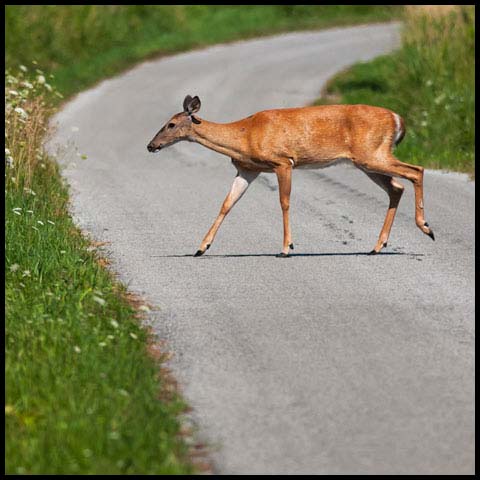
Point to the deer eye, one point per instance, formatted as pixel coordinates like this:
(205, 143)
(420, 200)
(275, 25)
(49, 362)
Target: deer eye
(171, 125)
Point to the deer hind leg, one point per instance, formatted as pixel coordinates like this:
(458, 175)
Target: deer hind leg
(242, 181)
(391, 166)
(394, 190)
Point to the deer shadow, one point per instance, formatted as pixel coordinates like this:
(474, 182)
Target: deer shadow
(292, 255)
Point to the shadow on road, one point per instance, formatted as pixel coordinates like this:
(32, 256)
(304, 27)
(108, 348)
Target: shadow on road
(330, 254)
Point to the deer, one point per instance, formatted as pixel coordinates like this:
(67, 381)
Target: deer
(282, 140)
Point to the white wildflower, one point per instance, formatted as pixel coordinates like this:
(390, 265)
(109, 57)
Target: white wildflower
(77, 349)
(26, 273)
(14, 267)
(23, 68)
(40, 222)
(41, 79)
(133, 335)
(27, 84)
(102, 344)
(114, 323)
(21, 112)
(49, 88)
(99, 300)
(113, 435)
(50, 222)
(13, 92)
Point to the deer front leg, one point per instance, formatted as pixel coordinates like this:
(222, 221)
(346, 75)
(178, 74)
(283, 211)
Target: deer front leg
(284, 176)
(242, 181)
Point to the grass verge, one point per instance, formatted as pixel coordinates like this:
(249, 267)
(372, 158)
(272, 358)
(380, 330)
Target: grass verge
(430, 81)
(81, 44)
(82, 392)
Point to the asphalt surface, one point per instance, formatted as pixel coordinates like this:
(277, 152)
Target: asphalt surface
(330, 361)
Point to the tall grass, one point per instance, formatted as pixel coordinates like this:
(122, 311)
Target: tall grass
(27, 108)
(81, 390)
(84, 43)
(430, 81)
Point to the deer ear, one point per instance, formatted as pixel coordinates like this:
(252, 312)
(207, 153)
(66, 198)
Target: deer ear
(195, 104)
(191, 105)
(186, 103)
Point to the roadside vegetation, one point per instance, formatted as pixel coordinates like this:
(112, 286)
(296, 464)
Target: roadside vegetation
(82, 44)
(430, 81)
(82, 391)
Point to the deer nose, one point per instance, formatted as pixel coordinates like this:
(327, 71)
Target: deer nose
(150, 147)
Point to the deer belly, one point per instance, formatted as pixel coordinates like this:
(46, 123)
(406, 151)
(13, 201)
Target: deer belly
(256, 164)
(313, 165)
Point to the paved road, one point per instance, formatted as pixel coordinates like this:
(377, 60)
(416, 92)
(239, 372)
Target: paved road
(327, 362)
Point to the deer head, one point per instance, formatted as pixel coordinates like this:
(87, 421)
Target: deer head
(178, 128)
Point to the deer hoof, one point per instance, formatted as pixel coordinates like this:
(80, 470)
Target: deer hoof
(373, 252)
(431, 235)
(282, 255)
(198, 253)
(291, 246)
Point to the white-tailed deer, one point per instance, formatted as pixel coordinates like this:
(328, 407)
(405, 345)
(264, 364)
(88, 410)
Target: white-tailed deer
(309, 137)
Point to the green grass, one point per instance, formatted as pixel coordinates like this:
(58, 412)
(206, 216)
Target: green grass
(84, 43)
(430, 81)
(82, 392)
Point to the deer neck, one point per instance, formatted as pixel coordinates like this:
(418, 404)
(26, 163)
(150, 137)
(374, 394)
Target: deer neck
(225, 138)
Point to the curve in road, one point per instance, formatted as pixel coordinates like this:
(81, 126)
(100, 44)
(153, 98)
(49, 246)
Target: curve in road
(330, 361)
